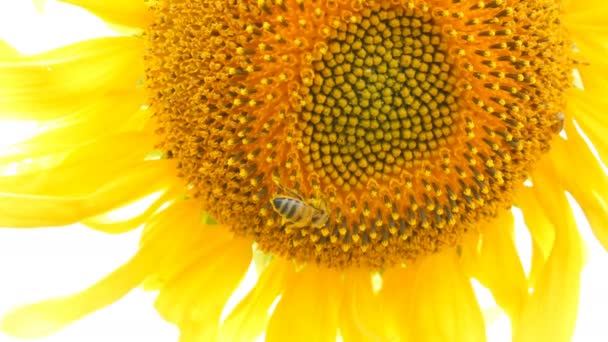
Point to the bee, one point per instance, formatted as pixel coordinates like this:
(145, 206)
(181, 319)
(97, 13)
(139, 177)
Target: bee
(558, 126)
(300, 213)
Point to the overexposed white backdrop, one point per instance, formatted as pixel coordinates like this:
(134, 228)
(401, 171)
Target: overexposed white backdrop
(40, 263)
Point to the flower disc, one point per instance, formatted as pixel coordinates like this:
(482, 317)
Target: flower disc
(404, 122)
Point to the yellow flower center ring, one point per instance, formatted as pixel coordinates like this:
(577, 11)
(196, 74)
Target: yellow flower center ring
(399, 124)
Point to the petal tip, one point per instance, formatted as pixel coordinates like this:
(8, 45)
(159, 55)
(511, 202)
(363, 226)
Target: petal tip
(32, 321)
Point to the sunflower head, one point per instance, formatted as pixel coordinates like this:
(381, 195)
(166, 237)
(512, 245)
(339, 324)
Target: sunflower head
(353, 137)
(410, 121)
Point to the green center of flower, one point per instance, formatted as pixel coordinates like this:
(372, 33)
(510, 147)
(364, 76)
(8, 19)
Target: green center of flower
(381, 97)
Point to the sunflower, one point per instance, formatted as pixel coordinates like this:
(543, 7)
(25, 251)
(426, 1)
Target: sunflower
(365, 156)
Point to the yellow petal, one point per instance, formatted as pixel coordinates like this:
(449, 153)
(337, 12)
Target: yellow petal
(586, 22)
(125, 12)
(42, 210)
(249, 318)
(550, 313)
(114, 225)
(434, 300)
(541, 232)
(83, 126)
(594, 70)
(49, 316)
(495, 263)
(57, 83)
(588, 15)
(540, 229)
(98, 161)
(537, 264)
(185, 243)
(308, 310)
(50, 173)
(195, 297)
(7, 51)
(360, 319)
(584, 107)
(397, 295)
(585, 180)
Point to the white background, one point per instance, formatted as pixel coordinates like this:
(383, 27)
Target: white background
(40, 263)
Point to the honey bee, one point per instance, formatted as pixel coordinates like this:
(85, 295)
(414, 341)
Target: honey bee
(558, 126)
(300, 213)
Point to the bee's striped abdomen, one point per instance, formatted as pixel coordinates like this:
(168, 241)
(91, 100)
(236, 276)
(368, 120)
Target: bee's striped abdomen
(289, 208)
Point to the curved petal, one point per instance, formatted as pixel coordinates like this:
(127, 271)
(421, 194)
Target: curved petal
(362, 317)
(98, 161)
(586, 24)
(539, 259)
(68, 78)
(7, 51)
(125, 12)
(434, 300)
(494, 261)
(49, 316)
(550, 312)
(194, 298)
(250, 317)
(186, 242)
(41, 210)
(585, 180)
(112, 225)
(586, 16)
(46, 317)
(86, 125)
(585, 108)
(94, 159)
(308, 310)
(541, 232)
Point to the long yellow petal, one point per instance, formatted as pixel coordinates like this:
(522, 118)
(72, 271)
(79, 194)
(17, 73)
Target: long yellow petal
(7, 51)
(98, 161)
(550, 313)
(40, 210)
(125, 12)
(541, 231)
(398, 286)
(250, 317)
(585, 180)
(435, 301)
(49, 316)
(308, 310)
(87, 124)
(589, 7)
(587, 110)
(186, 242)
(360, 318)
(59, 82)
(93, 159)
(195, 297)
(114, 225)
(588, 15)
(586, 22)
(495, 263)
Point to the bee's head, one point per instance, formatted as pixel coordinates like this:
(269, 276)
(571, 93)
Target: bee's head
(319, 217)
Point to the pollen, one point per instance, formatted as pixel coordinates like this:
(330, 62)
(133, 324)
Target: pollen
(391, 128)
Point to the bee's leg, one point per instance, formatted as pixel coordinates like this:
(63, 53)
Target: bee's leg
(290, 192)
(290, 228)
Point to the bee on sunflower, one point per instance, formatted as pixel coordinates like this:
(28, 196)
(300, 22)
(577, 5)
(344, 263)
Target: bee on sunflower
(344, 141)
